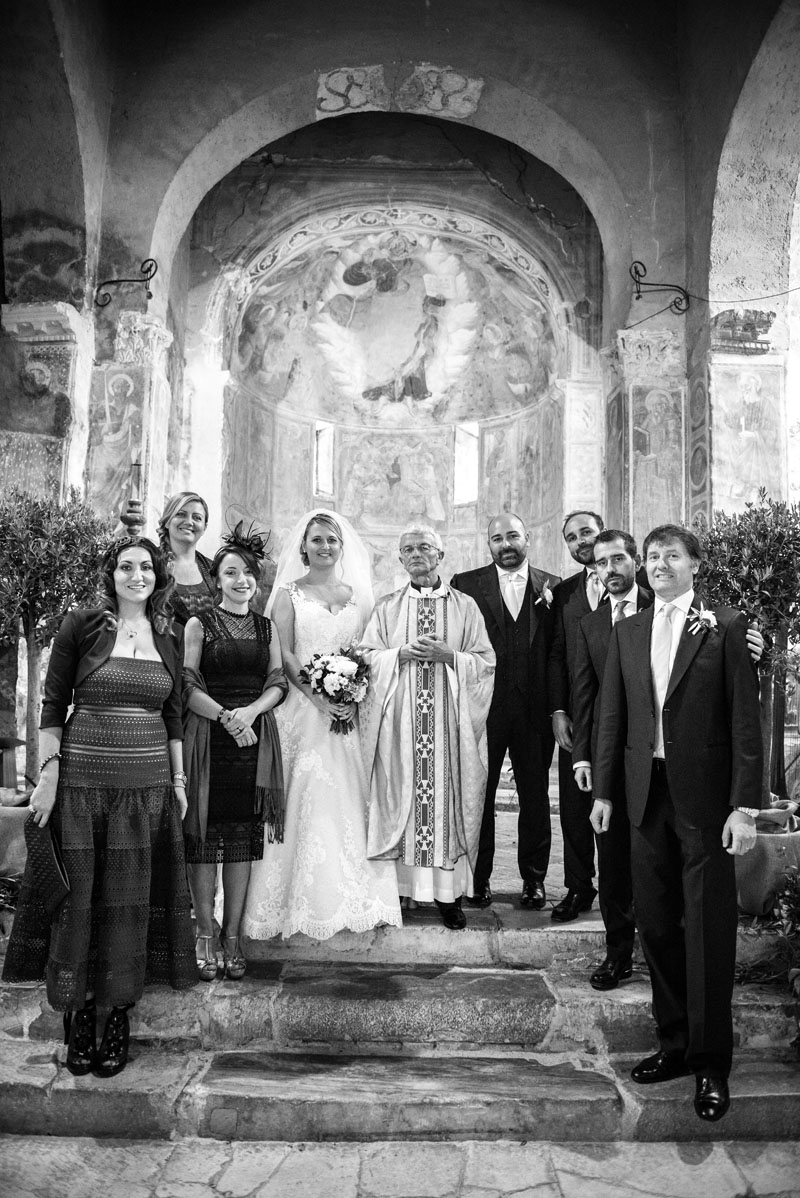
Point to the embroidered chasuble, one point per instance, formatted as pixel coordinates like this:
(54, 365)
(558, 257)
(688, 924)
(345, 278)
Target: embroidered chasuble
(423, 729)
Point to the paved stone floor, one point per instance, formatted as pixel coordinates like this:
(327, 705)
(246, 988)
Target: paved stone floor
(42, 1167)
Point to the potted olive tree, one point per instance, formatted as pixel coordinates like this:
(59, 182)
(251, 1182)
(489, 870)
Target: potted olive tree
(49, 558)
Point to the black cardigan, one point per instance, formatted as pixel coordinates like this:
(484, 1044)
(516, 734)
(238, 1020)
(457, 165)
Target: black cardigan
(83, 642)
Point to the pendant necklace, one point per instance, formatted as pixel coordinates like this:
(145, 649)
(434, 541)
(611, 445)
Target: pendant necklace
(130, 632)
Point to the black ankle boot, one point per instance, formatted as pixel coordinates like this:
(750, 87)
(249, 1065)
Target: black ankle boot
(79, 1036)
(112, 1055)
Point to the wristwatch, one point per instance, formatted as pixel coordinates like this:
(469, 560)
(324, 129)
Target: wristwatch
(751, 811)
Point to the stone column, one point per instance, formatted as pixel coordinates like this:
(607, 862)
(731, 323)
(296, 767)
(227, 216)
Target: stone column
(129, 418)
(46, 357)
(654, 412)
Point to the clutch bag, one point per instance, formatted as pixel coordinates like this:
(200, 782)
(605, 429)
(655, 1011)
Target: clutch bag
(47, 865)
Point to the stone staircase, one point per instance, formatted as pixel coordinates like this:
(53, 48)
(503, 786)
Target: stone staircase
(412, 1034)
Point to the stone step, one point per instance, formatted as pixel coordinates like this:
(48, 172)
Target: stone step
(399, 1008)
(263, 1095)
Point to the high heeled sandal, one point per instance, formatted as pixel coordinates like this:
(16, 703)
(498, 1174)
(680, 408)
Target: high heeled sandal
(233, 963)
(112, 1055)
(80, 1029)
(206, 959)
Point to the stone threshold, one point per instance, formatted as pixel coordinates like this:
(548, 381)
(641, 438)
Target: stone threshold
(264, 1095)
(400, 1008)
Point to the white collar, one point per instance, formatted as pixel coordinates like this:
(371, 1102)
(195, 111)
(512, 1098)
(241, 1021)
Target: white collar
(683, 602)
(519, 572)
(630, 596)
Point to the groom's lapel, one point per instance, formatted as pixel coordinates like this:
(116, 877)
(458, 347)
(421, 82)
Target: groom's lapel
(490, 585)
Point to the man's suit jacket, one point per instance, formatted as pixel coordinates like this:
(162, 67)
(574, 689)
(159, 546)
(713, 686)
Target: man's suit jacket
(484, 587)
(712, 733)
(591, 651)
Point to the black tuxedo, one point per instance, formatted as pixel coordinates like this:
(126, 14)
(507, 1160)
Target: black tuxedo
(683, 880)
(614, 846)
(518, 708)
(571, 605)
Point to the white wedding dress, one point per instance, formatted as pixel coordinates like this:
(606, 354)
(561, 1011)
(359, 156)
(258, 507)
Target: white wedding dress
(319, 880)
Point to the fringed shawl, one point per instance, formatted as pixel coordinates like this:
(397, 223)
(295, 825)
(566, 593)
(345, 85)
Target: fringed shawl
(269, 801)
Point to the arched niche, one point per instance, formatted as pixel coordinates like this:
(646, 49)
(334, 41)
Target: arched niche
(398, 344)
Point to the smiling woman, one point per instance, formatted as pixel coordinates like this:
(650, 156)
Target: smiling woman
(182, 524)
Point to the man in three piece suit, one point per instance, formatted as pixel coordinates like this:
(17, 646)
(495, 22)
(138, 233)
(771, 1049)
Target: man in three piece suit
(514, 599)
(573, 599)
(679, 722)
(616, 561)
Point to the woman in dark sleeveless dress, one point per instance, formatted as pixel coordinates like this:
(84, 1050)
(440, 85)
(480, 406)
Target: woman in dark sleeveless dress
(182, 524)
(112, 781)
(233, 681)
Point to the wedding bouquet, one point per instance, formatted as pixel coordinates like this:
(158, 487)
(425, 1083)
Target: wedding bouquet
(341, 677)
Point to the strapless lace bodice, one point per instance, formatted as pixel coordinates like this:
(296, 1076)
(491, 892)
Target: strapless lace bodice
(317, 630)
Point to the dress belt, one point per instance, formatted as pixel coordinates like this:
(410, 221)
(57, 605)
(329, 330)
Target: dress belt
(104, 709)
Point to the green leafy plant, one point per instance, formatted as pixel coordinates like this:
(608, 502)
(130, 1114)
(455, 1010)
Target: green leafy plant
(753, 564)
(49, 558)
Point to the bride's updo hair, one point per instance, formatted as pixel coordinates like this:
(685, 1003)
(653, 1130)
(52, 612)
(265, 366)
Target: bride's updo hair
(328, 522)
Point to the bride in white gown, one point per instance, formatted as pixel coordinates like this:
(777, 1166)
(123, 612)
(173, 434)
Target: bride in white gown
(319, 880)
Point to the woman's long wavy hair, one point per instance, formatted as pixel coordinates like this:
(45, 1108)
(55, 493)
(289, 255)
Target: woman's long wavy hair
(159, 608)
(174, 504)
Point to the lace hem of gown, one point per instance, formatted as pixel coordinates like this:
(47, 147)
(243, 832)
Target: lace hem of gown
(377, 914)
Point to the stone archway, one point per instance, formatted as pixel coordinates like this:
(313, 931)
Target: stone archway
(408, 327)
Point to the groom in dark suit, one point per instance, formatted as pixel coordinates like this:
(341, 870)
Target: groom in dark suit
(679, 721)
(514, 599)
(616, 561)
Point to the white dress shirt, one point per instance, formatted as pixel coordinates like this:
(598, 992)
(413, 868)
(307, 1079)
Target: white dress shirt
(681, 606)
(512, 587)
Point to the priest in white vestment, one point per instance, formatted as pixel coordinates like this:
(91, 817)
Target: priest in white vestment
(423, 729)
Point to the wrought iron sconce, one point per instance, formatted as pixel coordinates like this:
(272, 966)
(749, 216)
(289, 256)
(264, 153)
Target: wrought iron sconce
(149, 268)
(680, 301)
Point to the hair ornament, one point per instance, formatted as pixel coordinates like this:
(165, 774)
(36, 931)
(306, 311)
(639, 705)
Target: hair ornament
(253, 541)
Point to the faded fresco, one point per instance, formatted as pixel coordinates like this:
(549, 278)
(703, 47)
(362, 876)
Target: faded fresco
(748, 453)
(394, 330)
(115, 437)
(657, 457)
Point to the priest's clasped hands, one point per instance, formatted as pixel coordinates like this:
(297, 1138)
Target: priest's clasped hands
(427, 648)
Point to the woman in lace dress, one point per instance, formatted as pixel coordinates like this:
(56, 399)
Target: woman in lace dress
(182, 524)
(112, 782)
(233, 680)
(319, 880)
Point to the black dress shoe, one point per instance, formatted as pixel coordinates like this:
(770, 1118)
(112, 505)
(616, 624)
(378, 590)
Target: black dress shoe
(533, 895)
(711, 1097)
(482, 896)
(571, 905)
(608, 975)
(660, 1067)
(452, 915)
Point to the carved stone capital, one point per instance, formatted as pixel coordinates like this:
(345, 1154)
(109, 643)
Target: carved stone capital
(649, 355)
(142, 340)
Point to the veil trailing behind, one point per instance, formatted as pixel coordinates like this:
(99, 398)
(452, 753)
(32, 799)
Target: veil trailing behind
(353, 567)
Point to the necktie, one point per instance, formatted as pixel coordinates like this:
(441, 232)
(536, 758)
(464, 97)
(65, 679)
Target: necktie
(594, 590)
(660, 651)
(619, 611)
(512, 593)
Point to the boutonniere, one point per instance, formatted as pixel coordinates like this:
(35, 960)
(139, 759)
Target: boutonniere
(545, 596)
(701, 620)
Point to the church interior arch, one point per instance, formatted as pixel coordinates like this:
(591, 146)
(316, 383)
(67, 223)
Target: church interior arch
(379, 323)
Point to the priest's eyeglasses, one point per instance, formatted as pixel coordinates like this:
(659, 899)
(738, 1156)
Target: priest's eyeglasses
(424, 548)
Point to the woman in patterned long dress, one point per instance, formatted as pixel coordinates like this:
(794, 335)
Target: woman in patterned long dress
(233, 680)
(112, 781)
(182, 524)
(319, 880)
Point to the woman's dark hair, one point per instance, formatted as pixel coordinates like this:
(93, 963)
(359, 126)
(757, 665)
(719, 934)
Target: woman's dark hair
(247, 556)
(159, 608)
(173, 505)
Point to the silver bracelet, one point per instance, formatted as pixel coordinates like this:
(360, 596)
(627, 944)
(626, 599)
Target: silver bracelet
(47, 760)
